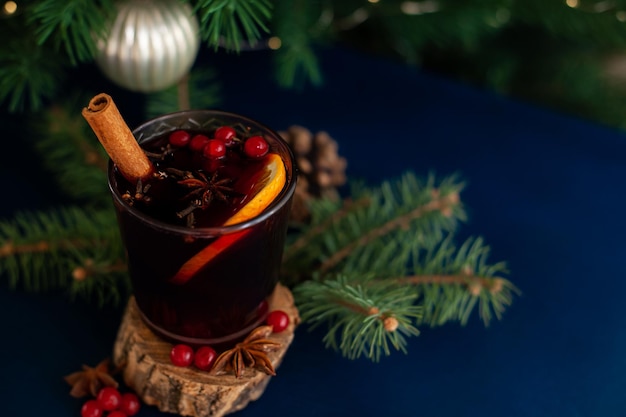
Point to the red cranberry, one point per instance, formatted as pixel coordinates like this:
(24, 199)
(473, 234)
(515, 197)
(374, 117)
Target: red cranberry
(198, 143)
(205, 356)
(117, 413)
(91, 408)
(255, 147)
(109, 398)
(130, 404)
(278, 319)
(214, 149)
(179, 138)
(226, 134)
(181, 355)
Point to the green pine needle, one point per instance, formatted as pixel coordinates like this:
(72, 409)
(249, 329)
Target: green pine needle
(72, 153)
(40, 251)
(451, 281)
(29, 74)
(72, 26)
(345, 237)
(296, 61)
(356, 315)
(412, 271)
(226, 23)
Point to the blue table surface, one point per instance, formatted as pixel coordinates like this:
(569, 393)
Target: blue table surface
(544, 189)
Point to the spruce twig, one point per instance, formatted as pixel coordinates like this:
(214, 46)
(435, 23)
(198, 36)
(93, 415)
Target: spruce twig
(296, 61)
(44, 251)
(340, 237)
(403, 252)
(71, 152)
(71, 26)
(226, 23)
(362, 321)
(443, 204)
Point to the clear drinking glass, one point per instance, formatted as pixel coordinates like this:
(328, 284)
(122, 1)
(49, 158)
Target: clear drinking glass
(225, 299)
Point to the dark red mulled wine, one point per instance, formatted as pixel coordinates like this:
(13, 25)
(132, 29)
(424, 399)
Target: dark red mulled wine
(195, 279)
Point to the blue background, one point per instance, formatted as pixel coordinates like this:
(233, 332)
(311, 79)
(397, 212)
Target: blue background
(544, 189)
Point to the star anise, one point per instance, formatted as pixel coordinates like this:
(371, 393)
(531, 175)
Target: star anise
(251, 353)
(204, 188)
(90, 380)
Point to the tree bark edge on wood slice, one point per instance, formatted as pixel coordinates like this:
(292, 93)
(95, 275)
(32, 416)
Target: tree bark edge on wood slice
(146, 368)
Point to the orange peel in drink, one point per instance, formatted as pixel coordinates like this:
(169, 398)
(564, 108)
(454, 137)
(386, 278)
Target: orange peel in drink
(271, 184)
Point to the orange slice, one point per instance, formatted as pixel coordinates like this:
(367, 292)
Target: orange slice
(272, 183)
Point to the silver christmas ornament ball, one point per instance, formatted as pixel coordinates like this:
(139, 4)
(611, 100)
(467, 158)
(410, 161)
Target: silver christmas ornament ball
(151, 44)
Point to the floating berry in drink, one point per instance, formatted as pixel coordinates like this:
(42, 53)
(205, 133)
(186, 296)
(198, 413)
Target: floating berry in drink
(198, 142)
(214, 149)
(256, 147)
(226, 134)
(179, 138)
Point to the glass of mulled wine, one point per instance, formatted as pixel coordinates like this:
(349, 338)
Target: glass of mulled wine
(204, 235)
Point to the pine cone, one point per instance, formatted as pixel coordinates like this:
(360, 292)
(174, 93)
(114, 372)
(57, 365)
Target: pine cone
(320, 168)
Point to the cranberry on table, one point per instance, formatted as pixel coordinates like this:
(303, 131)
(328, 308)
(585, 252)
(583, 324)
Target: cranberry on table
(117, 413)
(181, 355)
(256, 147)
(179, 138)
(214, 149)
(91, 408)
(109, 398)
(226, 134)
(198, 142)
(278, 319)
(205, 356)
(130, 404)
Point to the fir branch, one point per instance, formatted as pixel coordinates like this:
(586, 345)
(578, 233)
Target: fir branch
(29, 74)
(449, 281)
(399, 245)
(362, 321)
(296, 62)
(42, 251)
(226, 23)
(72, 25)
(100, 280)
(394, 207)
(71, 152)
(438, 203)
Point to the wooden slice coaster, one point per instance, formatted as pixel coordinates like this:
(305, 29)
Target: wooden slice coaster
(146, 368)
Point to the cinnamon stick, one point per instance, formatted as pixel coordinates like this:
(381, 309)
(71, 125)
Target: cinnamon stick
(116, 138)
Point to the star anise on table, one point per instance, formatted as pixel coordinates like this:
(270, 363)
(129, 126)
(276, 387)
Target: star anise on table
(90, 380)
(251, 353)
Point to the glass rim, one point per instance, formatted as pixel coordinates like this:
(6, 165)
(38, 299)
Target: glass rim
(282, 199)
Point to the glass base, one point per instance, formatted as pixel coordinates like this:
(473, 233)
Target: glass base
(216, 343)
